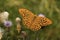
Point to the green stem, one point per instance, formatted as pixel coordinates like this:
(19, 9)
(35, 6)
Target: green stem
(23, 38)
(36, 35)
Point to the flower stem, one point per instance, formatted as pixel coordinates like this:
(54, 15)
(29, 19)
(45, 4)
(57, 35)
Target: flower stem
(36, 35)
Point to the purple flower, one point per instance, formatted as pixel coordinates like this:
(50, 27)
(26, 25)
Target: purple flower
(8, 23)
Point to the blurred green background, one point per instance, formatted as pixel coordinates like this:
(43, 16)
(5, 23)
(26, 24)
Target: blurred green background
(50, 8)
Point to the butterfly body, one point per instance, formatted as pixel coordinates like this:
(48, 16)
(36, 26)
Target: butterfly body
(32, 21)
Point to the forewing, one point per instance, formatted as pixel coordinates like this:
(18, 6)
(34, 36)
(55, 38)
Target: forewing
(27, 17)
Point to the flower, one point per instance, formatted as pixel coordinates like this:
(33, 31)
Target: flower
(18, 19)
(1, 32)
(8, 23)
(4, 16)
(23, 34)
(41, 15)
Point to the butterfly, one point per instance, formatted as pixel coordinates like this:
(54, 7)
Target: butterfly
(33, 22)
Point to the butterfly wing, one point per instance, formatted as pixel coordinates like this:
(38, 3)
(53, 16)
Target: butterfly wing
(39, 22)
(44, 21)
(27, 17)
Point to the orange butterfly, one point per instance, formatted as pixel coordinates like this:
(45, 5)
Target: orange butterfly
(32, 21)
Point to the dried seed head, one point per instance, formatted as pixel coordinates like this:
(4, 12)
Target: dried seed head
(18, 19)
(23, 34)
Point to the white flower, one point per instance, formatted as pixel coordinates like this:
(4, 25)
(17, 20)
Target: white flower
(41, 15)
(4, 16)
